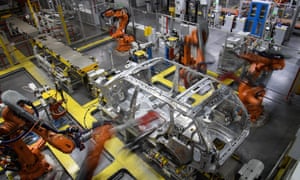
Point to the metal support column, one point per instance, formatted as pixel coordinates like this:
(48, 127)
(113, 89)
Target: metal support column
(62, 19)
(295, 88)
(292, 25)
(33, 14)
(80, 20)
(133, 18)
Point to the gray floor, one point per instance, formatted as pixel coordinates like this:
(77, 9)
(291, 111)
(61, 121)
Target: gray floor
(18, 81)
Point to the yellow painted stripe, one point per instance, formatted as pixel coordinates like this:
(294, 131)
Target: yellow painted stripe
(66, 161)
(63, 22)
(160, 78)
(95, 43)
(78, 112)
(108, 171)
(127, 160)
(91, 103)
(32, 13)
(18, 55)
(30, 68)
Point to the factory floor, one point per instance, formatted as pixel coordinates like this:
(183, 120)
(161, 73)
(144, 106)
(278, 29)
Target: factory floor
(265, 143)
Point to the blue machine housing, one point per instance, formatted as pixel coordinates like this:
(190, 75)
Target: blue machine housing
(256, 18)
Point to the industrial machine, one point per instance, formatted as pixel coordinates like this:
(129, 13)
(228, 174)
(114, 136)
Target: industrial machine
(257, 17)
(21, 117)
(252, 97)
(193, 53)
(53, 107)
(180, 8)
(191, 10)
(63, 63)
(228, 59)
(263, 62)
(228, 23)
(255, 72)
(171, 41)
(66, 66)
(251, 92)
(141, 51)
(192, 130)
(193, 50)
(124, 39)
(50, 23)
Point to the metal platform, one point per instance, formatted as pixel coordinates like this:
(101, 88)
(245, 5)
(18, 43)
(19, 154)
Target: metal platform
(66, 55)
(71, 58)
(21, 26)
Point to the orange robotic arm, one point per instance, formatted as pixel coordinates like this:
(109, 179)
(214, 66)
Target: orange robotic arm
(197, 39)
(123, 17)
(265, 62)
(27, 160)
(100, 136)
(124, 39)
(252, 98)
(197, 62)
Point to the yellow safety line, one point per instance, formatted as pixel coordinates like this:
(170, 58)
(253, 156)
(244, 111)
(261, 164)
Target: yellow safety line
(127, 160)
(66, 160)
(90, 103)
(62, 19)
(30, 68)
(78, 113)
(5, 16)
(160, 78)
(32, 14)
(95, 43)
(283, 167)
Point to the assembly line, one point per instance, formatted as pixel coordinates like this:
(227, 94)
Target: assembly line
(182, 89)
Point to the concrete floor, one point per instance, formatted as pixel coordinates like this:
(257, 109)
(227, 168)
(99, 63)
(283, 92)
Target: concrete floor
(18, 81)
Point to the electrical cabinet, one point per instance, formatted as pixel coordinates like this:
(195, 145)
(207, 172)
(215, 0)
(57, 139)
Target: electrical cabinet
(257, 17)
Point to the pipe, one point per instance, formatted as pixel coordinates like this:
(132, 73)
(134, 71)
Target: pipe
(167, 25)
